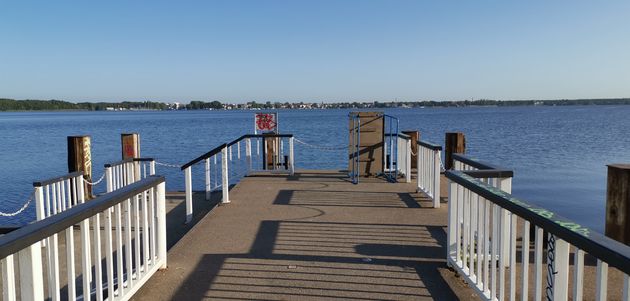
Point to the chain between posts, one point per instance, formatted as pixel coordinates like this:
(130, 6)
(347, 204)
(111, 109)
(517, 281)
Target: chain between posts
(324, 148)
(167, 164)
(26, 204)
(96, 182)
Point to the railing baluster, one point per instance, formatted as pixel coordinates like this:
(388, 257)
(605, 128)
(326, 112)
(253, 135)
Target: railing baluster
(128, 241)
(578, 274)
(188, 183)
(109, 250)
(161, 224)
(480, 240)
(225, 180)
(495, 248)
(153, 232)
(512, 230)
(453, 222)
(466, 228)
(486, 247)
(119, 249)
(525, 260)
(561, 270)
(31, 276)
(538, 263)
(208, 186)
(72, 290)
(136, 227)
(8, 278)
(145, 231)
(626, 285)
(98, 277)
(601, 279)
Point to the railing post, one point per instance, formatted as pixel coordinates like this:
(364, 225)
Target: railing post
(208, 183)
(188, 183)
(419, 151)
(408, 161)
(109, 179)
(31, 276)
(161, 223)
(453, 223)
(152, 167)
(225, 179)
(436, 178)
(248, 154)
(291, 156)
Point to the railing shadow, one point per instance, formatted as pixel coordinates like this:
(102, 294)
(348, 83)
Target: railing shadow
(292, 260)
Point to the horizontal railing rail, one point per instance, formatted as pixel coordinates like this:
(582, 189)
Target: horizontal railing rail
(470, 163)
(140, 229)
(226, 163)
(429, 162)
(399, 135)
(429, 145)
(58, 179)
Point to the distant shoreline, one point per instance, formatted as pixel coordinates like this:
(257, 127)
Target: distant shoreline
(12, 105)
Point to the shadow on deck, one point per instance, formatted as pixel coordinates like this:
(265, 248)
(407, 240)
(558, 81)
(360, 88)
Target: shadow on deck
(310, 237)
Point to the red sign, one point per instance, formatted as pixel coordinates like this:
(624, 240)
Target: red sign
(266, 122)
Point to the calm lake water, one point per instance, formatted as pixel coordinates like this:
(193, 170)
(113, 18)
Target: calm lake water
(559, 154)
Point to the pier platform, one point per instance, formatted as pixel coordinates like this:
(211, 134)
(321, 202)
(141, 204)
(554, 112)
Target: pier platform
(312, 236)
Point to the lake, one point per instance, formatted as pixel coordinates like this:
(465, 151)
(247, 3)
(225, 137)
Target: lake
(558, 154)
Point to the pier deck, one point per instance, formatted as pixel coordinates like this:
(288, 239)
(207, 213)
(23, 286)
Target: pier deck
(312, 236)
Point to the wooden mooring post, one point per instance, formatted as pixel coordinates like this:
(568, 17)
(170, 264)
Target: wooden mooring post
(130, 143)
(415, 136)
(80, 159)
(454, 143)
(618, 203)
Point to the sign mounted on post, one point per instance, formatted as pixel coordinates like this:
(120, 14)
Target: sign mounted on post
(266, 123)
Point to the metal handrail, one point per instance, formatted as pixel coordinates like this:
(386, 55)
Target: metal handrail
(218, 149)
(24, 237)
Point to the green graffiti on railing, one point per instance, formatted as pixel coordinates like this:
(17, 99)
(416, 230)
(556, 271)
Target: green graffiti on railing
(572, 226)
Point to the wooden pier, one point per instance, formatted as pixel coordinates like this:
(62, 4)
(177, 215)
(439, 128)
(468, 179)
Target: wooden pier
(313, 236)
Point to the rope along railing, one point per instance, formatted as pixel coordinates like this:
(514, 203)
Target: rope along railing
(95, 182)
(226, 163)
(26, 204)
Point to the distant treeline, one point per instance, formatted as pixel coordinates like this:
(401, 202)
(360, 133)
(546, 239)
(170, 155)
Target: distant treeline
(49, 105)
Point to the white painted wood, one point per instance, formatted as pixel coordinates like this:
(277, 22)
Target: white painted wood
(601, 278)
(8, 278)
(503, 252)
(161, 224)
(436, 179)
(525, 261)
(248, 154)
(561, 270)
(578, 275)
(31, 274)
(128, 242)
(145, 228)
(480, 240)
(136, 241)
(407, 160)
(486, 247)
(119, 248)
(109, 252)
(108, 179)
(538, 263)
(152, 167)
(225, 180)
(292, 159)
(189, 206)
(512, 231)
(452, 221)
(208, 186)
(70, 267)
(238, 150)
(495, 250)
(98, 271)
(153, 233)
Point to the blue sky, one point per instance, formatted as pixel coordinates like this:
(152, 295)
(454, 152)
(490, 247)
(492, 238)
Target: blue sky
(236, 51)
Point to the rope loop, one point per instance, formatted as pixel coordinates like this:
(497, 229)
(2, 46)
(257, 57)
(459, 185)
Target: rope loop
(26, 204)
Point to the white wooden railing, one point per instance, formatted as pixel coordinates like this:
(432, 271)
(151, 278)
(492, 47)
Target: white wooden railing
(429, 167)
(229, 162)
(397, 158)
(483, 231)
(122, 173)
(134, 220)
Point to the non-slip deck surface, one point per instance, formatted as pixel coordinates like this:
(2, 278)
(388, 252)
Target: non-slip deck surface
(312, 236)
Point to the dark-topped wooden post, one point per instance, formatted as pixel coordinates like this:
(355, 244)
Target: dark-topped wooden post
(415, 136)
(455, 143)
(80, 159)
(130, 145)
(618, 203)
